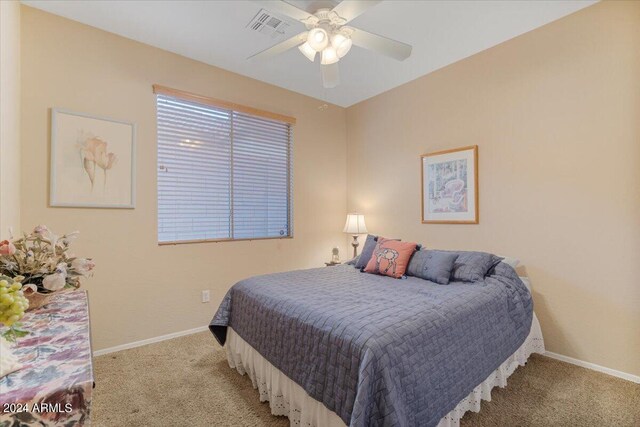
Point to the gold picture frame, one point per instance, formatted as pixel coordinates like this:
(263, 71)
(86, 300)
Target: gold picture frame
(449, 183)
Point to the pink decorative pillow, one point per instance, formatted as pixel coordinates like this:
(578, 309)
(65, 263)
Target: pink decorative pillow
(390, 257)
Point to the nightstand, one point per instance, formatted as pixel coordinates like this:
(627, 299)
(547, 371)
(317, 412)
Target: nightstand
(332, 263)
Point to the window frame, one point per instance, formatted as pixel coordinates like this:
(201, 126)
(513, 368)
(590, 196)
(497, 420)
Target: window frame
(233, 107)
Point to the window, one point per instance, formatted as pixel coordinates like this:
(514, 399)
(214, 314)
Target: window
(223, 174)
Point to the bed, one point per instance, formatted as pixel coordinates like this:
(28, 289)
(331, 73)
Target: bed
(334, 346)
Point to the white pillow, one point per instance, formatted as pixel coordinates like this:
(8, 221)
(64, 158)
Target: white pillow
(513, 262)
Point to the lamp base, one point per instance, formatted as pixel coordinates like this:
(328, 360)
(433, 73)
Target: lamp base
(355, 245)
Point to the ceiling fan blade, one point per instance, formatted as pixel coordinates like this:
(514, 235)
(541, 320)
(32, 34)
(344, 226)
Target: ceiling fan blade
(280, 47)
(351, 9)
(330, 75)
(380, 44)
(281, 7)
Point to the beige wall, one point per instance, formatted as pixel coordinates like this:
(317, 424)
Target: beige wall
(556, 116)
(9, 117)
(141, 290)
(554, 112)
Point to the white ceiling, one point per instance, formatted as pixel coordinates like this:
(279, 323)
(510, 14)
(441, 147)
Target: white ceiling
(214, 32)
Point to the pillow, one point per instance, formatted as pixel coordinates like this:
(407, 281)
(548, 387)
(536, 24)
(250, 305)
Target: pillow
(353, 260)
(472, 266)
(390, 257)
(367, 251)
(432, 265)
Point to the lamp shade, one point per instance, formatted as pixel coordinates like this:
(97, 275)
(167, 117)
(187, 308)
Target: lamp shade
(329, 56)
(307, 51)
(355, 224)
(341, 43)
(318, 39)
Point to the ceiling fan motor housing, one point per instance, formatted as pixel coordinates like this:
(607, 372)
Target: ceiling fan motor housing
(325, 18)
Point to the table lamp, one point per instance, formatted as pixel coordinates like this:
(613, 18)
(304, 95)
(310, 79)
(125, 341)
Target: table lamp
(355, 225)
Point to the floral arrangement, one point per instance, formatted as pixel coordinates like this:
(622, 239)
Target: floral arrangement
(42, 260)
(13, 304)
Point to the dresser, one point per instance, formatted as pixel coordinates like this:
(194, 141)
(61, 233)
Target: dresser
(54, 385)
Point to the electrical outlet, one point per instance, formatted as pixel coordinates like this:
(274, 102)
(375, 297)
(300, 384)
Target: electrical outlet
(206, 296)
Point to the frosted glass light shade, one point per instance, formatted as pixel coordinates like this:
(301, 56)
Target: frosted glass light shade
(355, 224)
(344, 48)
(329, 56)
(307, 51)
(337, 39)
(341, 43)
(318, 39)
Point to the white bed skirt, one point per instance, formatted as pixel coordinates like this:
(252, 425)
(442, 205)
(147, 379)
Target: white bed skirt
(289, 399)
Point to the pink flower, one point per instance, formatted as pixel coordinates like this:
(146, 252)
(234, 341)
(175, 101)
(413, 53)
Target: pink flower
(83, 265)
(68, 238)
(7, 248)
(46, 234)
(41, 230)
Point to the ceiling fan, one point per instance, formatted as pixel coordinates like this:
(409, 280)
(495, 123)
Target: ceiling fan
(328, 35)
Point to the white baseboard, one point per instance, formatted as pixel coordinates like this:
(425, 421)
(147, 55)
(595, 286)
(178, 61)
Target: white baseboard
(593, 366)
(150, 341)
(561, 357)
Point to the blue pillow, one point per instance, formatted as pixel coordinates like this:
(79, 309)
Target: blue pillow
(353, 260)
(472, 266)
(367, 251)
(435, 266)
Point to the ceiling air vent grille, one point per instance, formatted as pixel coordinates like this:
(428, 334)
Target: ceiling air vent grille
(265, 23)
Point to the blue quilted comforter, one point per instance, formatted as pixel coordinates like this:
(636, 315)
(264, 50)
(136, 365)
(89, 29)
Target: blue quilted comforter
(375, 350)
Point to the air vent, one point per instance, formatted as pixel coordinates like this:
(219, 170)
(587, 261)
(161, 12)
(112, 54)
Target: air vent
(265, 23)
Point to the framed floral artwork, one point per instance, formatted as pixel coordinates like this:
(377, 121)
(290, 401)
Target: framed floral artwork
(450, 186)
(92, 161)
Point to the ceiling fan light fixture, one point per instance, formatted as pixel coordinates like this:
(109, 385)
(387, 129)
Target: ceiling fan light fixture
(344, 48)
(328, 34)
(329, 56)
(337, 39)
(308, 51)
(318, 39)
(342, 44)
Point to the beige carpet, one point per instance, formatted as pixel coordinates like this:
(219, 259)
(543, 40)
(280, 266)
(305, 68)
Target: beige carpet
(187, 382)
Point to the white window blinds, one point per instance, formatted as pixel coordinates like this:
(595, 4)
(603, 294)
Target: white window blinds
(222, 174)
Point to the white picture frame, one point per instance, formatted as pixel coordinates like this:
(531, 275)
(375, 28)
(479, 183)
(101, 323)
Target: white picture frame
(450, 186)
(93, 161)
